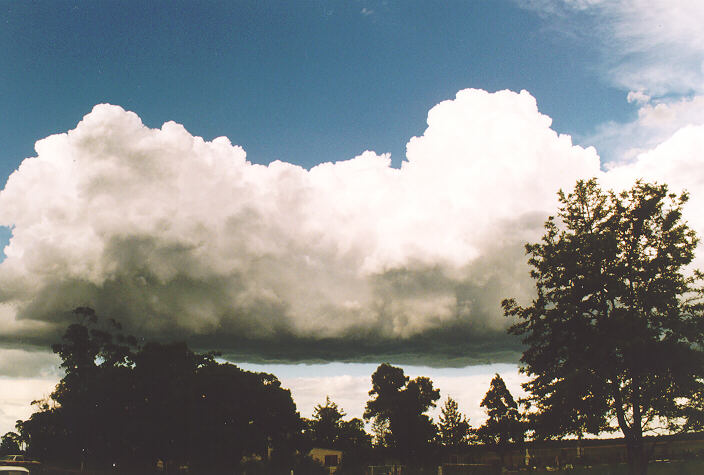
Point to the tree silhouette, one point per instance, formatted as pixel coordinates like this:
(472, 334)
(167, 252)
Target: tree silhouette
(326, 422)
(504, 426)
(381, 432)
(453, 427)
(128, 406)
(402, 404)
(328, 429)
(353, 435)
(84, 419)
(615, 330)
(10, 443)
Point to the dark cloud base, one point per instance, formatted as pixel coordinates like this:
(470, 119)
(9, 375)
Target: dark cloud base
(454, 346)
(449, 347)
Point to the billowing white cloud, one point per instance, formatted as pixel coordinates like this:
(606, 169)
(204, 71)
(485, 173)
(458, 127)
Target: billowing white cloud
(654, 50)
(639, 97)
(175, 235)
(679, 162)
(657, 121)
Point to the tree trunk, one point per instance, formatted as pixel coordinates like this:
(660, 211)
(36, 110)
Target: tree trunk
(633, 434)
(637, 457)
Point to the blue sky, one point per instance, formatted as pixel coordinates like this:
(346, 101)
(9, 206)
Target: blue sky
(303, 82)
(343, 265)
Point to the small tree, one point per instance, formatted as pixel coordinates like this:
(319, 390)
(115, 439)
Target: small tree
(504, 427)
(353, 436)
(326, 422)
(328, 429)
(400, 405)
(615, 330)
(10, 444)
(453, 427)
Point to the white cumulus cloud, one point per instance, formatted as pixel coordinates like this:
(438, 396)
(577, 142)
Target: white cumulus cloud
(679, 162)
(656, 122)
(175, 235)
(654, 50)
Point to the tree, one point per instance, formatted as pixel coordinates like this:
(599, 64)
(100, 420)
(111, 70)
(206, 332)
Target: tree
(326, 422)
(453, 427)
(381, 433)
(10, 444)
(400, 404)
(353, 436)
(328, 429)
(616, 328)
(504, 426)
(119, 404)
(84, 420)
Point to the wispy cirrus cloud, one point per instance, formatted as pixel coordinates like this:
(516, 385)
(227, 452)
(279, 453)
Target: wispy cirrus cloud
(654, 50)
(655, 46)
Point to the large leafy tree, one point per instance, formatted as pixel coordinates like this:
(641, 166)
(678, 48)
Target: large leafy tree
(453, 427)
(616, 328)
(400, 404)
(132, 405)
(504, 426)
(84, 420)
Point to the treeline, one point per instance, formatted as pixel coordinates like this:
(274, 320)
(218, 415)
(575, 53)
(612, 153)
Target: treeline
(135, 406)
(128, 405)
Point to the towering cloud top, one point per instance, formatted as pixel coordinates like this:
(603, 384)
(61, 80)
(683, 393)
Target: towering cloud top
(179, 237)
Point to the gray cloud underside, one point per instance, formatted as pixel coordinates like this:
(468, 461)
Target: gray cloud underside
(27, 361)
(180, 238)
(262, 332)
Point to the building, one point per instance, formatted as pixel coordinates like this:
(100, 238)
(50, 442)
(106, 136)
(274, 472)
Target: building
(329, 458)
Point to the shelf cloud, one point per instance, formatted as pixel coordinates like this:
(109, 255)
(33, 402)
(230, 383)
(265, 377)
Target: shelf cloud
(178, 237)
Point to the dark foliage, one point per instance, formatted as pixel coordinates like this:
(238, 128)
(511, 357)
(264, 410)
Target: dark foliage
(504, 427)
(328, 429)
(132, 406)
(616, 328)
(10, 444)
(400, 406)
(453, 427)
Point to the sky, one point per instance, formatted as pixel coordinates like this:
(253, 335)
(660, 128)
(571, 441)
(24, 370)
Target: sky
(316, 187)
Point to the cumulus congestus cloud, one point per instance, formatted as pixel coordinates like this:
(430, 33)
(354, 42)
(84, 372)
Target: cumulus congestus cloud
(178, 237)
